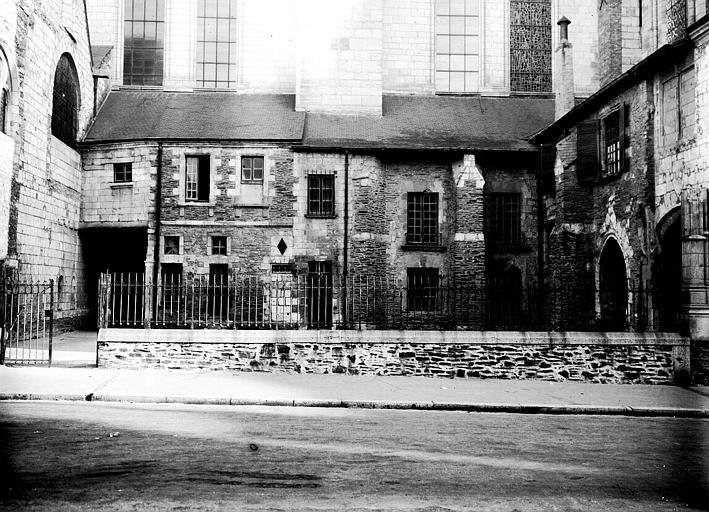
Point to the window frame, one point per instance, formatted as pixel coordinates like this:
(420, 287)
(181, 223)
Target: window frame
(142, 23)
(423, 296)
(251, 180)
(460, 28)
(422, 219)
(315, 183)
(212, 47)
(216, 248)
(172, 238)
(126, 173)
(504, 220)
(613, 133)
(201, 178)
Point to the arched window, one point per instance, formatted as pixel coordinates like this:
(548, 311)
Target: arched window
(65, 109)
(4, 91)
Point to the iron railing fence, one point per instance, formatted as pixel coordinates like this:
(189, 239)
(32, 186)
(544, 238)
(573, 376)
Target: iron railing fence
(26, 322)
(322, 301)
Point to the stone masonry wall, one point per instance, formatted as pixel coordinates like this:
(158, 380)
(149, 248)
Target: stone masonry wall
(620, 364)
(45, 187)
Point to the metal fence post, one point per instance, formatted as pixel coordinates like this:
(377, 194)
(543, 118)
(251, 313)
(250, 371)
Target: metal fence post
(51, 318)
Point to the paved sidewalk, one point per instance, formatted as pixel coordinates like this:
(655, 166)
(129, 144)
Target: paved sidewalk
(308, 390)
(74, 377)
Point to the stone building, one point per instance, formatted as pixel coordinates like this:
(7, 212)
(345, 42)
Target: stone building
(627, 216)
(382, 138)
(46, 105)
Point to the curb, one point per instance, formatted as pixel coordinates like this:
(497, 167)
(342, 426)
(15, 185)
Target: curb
(375, 404)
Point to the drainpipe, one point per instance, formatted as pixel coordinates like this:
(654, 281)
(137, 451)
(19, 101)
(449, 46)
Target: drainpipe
(158, 213)
(346, 237)
(540, 240)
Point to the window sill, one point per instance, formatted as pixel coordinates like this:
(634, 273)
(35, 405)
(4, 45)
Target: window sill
(320, 216)
(423, 247)
(195, 203)
(251, 205)
(602, 180)
(121, 185)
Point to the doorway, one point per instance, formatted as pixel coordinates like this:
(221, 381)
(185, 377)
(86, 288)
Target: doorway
(668, 276)
(613, 288)
(319, 294)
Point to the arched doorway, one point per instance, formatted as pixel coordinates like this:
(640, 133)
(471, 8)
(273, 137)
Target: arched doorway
(504, 296)
(613, 288)
(667, 274)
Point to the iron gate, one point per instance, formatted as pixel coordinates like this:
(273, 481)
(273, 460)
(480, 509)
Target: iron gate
(26, 323)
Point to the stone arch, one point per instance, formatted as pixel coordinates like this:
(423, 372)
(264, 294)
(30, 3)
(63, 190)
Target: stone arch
(9, 84)
(667, 272)
(66, 101)
(612, 287)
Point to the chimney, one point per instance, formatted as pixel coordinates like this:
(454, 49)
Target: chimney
(564, 88)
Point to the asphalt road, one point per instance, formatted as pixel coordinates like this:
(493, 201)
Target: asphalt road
(99, 456)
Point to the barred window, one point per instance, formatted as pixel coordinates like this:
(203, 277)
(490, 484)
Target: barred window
(251, 169)
(197, 178)
(505, 219)
(321, 195)
(422, 218)
(422, 289)
(218, 246)
(144, 42)
(457, 45)
(65, 103)
(123, 172)
(171, 245)
(611, 125)
(216, 43)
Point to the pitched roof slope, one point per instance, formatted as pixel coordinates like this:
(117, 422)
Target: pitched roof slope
(436, 122)
(140, 115)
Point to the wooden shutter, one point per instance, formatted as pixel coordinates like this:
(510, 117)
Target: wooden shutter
(624, 131)
(587, 162)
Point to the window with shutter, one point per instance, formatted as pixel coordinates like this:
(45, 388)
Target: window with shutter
(587, 162)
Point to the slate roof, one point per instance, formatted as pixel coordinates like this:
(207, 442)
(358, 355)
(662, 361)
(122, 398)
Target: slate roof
(436, 122)
(140, 115)
(408, 122)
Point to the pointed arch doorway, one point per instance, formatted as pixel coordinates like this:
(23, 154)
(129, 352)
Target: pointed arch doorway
(613, 288)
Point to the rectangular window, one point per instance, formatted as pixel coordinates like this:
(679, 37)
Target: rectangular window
(123, 172)
(530, 46)
(216, 43)
(505, 219)
(252, 169)
(218, 246)
(282, 268)
(612, 134)
(197, 178)
(171, 245)
(422, 289)
(457, 45)
(321, 195)
(144, 42)
(422, 218)
(687, 86)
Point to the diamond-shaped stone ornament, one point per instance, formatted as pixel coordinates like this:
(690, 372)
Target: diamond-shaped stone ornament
(282, 246)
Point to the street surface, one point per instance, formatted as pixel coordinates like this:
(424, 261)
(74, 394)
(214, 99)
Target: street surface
(103, 456)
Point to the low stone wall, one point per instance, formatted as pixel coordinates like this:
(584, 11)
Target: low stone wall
(700, 363)
(592, 357)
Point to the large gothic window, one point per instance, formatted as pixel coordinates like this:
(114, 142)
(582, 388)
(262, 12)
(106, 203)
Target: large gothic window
(65, 108)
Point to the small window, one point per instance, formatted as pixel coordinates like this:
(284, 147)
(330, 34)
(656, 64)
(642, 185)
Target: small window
(282, 268)
(422, 218)
(505, 219)
(172, 245)
(123, 172)
(611, 126)
(321, 195)
(252, 169)
(218, 246)
(422, 289)
(4, 95)
(197, 178)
